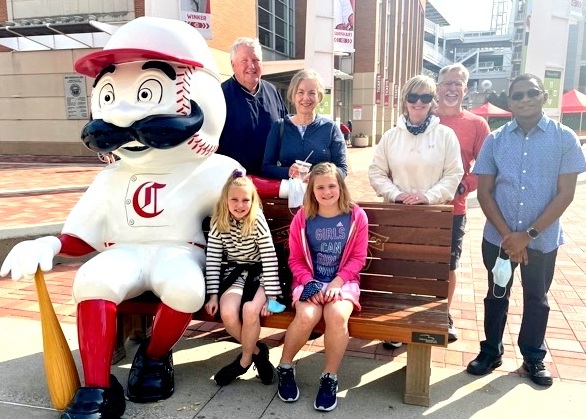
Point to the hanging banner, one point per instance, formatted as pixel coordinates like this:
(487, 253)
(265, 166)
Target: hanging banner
(343, 25)
(387, 91)
(198, 14)
(552, 83)
(325, 107)
(576, 10)
(377, 98)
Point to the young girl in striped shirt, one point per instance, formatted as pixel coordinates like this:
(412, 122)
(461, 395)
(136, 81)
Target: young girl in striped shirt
(242, 287)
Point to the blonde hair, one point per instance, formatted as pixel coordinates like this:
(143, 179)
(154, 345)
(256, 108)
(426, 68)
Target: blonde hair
(310, 204)
(222, 217)
(306, 75)
(415, 84)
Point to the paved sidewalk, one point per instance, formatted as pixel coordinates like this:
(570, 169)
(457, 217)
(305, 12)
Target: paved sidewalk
(38, 196)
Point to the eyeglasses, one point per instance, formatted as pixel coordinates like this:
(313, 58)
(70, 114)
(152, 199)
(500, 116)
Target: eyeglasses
(451, 84)
(414, 97)
(531, 94)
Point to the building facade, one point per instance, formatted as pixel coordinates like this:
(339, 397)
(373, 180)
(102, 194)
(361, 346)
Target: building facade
(40, 41)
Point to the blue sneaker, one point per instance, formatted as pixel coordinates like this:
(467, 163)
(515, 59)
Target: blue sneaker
(326, 398)
(287, 391)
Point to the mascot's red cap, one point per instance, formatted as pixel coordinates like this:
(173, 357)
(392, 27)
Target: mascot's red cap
(151, 38)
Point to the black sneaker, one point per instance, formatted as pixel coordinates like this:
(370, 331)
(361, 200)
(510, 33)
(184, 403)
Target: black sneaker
(287, 390)
(452, 330)
(265, 369)
(229, 373)
(539, 375)
(326, 398)
(483, 364)
(390, 345)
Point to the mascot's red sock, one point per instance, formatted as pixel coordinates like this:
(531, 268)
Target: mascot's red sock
(96, 330)
(102, 396)
(168, 328)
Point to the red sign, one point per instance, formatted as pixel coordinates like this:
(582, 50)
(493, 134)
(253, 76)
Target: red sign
(378, 89)
(395, 95)
(386, 101)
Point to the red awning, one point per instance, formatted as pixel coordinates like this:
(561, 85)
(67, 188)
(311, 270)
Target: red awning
(573, 102)
(488, 109)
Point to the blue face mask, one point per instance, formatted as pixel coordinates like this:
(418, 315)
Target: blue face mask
(502, 273)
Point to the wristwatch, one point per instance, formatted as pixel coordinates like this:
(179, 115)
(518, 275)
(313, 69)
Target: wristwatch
(461, 189)
(531, 232)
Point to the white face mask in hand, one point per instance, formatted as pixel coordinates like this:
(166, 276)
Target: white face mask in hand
(296, 193)
(501, 274)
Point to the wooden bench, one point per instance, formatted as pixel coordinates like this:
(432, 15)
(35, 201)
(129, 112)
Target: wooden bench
(404, 285)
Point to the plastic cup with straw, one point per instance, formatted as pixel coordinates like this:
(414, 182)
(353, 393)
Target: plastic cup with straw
(303, 166)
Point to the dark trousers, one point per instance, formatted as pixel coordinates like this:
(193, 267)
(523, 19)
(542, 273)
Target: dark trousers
(536, 278)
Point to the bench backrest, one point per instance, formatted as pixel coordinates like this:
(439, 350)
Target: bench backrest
(409, 246)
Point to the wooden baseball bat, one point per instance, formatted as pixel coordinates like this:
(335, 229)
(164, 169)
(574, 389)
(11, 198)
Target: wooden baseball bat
(62, 377)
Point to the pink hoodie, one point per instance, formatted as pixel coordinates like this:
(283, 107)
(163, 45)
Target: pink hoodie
(353, 256)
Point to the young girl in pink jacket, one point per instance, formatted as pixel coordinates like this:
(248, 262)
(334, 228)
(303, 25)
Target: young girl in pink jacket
(328, 241)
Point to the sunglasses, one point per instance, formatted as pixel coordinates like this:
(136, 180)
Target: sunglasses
(414, 97)
(531, 94)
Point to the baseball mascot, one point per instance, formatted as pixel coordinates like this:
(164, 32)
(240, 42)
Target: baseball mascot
(157, 105)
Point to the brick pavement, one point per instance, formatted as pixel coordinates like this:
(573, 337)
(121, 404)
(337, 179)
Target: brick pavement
(566, 335)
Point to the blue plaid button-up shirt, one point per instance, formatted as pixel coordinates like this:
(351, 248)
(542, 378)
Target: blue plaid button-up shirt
(526, 170)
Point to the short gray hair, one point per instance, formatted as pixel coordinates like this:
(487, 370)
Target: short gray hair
(462, 71)
(253, 43)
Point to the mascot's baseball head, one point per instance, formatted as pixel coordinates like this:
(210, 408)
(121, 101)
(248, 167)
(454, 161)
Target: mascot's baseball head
(156, 98)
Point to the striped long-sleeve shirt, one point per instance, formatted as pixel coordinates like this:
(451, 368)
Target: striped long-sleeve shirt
(257, 247)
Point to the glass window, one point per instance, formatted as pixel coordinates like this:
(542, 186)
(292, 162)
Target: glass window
(264, 19)
(276, 20)
(280, 27)
(280, 9)
(265, 38)
(280, 44)
(265, 4)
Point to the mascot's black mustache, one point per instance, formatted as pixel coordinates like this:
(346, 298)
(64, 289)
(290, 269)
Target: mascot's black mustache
(155, 131)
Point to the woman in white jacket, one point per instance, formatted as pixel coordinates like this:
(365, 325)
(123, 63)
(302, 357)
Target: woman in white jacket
(418, 161)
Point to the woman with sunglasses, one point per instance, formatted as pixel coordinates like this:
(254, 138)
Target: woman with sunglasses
(418, 161)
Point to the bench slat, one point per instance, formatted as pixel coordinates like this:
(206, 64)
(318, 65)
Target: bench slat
(408, 268)
(398, 284)
(419, 253)
(409, 215)
(410, 235)
(385, 317)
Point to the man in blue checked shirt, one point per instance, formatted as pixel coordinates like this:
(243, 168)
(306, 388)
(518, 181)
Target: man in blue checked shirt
(527, 172)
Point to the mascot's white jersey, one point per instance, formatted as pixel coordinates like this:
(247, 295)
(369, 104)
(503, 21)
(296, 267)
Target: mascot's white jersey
(145, 206)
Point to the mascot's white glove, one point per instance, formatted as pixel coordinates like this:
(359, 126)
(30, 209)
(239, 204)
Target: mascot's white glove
(24, 258)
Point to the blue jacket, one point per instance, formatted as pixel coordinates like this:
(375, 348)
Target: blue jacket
(248, 121)
(322, 136)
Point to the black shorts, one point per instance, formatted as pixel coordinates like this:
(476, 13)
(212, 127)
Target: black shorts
(458, 231)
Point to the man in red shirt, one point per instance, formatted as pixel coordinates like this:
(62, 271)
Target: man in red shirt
(471, 131)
